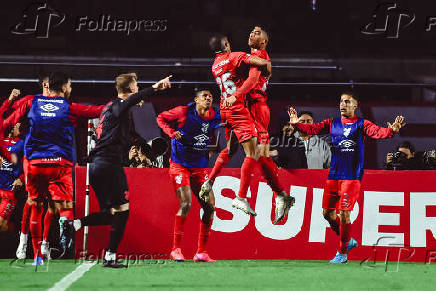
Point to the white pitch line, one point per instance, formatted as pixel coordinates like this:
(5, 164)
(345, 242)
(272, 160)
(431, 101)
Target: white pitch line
(72, 277)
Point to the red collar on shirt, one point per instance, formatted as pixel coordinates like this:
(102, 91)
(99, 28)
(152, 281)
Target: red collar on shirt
(209, 115)
(349, 120)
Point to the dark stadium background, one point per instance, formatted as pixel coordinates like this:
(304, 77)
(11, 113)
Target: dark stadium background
(327, 46)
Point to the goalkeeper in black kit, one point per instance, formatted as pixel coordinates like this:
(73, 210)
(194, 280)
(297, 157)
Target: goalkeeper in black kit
(106, 173)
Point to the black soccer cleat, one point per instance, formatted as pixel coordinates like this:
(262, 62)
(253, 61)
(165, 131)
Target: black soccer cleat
(66, 233)
(112, 264)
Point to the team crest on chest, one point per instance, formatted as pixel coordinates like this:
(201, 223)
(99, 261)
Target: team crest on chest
(204, 127)
(347, 131)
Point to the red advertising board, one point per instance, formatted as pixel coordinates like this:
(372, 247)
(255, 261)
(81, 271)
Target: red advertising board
(395, 218)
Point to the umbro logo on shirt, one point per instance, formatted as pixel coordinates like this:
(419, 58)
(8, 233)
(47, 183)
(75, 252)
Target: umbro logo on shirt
(49, 107)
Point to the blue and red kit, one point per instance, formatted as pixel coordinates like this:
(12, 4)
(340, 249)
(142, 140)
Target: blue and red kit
(191, 151)
(50, 141)
(347, 165)
(8, 174)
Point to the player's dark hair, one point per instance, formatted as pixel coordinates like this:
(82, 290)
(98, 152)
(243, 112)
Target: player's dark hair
(57, 80)
(197, 91)
(352, 94)
(407, 145)
(215, 43)
(44, 77)
(305, 112)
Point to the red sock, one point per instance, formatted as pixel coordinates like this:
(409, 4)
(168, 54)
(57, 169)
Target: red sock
(345, 231)
(25, 218)
(247, 169)
(179, 223)
(47, 222)
(203, 235)
(35, 229)
(271, 173)
(67, 212)
(221, 161)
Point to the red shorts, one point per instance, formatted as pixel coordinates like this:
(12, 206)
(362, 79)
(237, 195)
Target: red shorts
(239, 122)
(56, 180)
(341, 194)
(182, 176)
(7, 194)
(261, 115)
(7, 207)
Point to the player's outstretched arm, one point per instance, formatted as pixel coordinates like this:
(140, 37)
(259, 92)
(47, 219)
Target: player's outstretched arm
(378, 132)
(135, 98)
(322, 127)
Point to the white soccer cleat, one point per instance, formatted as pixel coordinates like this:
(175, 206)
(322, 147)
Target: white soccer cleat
(45, 249)
(205, 190)
(22, 247)
(283, 204)
(242, 204)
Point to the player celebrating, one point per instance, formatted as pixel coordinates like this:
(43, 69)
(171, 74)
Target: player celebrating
(11, 177)
(106, 173)
(196, 122)
(346, 169)
(51, 210)
(48, 151)
(227, 69)
(259, 110)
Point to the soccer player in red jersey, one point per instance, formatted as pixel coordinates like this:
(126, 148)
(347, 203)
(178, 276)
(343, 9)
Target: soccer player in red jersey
(190, 128)
(342, 188)
(228, 69)
(256, 99)
(48, 151)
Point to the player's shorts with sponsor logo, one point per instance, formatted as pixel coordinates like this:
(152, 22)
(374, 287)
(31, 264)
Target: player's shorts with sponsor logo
(57, 179)
(238, 120)
(341, 194)
(7, 203)
(182, 176)
(261, 115)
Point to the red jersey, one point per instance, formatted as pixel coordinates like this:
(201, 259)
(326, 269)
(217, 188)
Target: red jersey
(228, 71)
(258, 93)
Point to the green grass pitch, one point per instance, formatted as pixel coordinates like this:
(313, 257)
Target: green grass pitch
(225, 275)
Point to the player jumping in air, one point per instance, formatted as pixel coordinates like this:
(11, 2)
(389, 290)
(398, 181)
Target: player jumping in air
(256, 99)
(51, 210)
(106, 173)
(195, 124)
(342, 188)
(228, 69)
(48, 151)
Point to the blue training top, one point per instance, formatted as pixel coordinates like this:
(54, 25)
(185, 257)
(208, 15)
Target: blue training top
(347, 150)
(8, 171)
(191, 151)
(51, 130)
